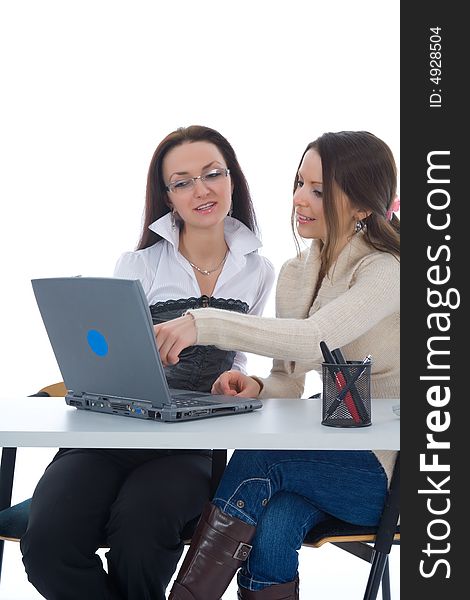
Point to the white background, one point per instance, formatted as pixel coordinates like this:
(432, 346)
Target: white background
(90, 87)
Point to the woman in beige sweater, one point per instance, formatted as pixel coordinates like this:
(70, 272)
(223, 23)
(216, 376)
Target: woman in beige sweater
(344, 289)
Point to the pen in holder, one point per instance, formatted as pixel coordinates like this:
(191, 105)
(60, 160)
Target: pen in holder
(346, 394)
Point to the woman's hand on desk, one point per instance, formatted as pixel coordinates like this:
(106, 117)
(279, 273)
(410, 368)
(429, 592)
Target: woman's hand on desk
(173, 337)
(234, 383)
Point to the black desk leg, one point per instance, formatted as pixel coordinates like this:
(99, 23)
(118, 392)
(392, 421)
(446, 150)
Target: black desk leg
(7, 471)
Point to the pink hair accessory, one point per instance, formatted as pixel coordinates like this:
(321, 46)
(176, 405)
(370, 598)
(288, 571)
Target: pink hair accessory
(395, 207)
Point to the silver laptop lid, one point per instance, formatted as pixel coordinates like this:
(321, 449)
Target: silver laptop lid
(100, 340)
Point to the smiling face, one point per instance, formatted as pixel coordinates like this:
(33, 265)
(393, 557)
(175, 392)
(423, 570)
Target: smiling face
(309, 204)
(308, 198)
(206, 203)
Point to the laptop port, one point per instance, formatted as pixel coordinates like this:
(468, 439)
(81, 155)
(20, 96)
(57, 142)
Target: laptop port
(77, 403)
(194, 413)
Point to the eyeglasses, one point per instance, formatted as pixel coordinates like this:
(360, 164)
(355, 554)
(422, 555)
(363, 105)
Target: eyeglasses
(210, 179)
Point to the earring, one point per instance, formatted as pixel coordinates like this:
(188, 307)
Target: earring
(359, 226)
(173, 220)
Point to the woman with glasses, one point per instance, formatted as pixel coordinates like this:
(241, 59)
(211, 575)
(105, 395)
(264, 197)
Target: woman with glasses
(344, 290)
(198, 248)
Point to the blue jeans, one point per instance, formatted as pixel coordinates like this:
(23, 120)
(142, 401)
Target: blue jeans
(285, 493)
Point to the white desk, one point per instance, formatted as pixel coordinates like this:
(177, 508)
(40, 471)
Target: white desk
(280, 424)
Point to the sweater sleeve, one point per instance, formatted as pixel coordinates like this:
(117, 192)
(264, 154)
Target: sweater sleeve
(372, 296)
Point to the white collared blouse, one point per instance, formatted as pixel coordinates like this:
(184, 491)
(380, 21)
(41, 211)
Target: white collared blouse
(166, 275)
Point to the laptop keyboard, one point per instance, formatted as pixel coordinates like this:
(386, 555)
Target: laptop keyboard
(184, 401)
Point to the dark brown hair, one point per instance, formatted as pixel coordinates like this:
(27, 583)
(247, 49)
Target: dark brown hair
(156, 198)
(362, 166)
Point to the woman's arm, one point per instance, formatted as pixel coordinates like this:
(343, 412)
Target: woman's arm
(373, 295)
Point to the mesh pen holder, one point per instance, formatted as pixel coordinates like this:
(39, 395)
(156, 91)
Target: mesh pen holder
(346, 394)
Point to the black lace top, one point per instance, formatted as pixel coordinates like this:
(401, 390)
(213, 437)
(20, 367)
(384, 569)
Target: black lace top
(199, 366)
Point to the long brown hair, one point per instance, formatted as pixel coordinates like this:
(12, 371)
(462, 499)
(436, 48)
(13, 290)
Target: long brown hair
(363, 167)
(156, 197)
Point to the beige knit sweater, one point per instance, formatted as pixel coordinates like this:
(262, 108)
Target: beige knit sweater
(356, 309)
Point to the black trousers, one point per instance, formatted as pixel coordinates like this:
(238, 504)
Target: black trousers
(139, 503)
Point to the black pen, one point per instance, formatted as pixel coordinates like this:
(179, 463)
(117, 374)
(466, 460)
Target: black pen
(328, 357)
(349, 385)
(338, 356)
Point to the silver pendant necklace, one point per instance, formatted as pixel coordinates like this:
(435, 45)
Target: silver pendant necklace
(208, 271)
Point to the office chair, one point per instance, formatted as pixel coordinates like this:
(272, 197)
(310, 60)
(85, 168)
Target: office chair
(372, 544)
(14, 519)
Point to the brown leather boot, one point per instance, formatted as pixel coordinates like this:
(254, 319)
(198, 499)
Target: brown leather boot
(280, 591)
(219, 546)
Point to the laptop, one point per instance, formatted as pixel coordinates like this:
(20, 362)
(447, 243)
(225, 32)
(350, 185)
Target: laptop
(102, 335)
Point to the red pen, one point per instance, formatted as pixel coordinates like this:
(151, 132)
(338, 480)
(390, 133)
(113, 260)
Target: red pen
(348, 399)
(340, 382)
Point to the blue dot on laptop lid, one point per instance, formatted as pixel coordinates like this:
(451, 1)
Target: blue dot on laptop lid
(97, 342)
